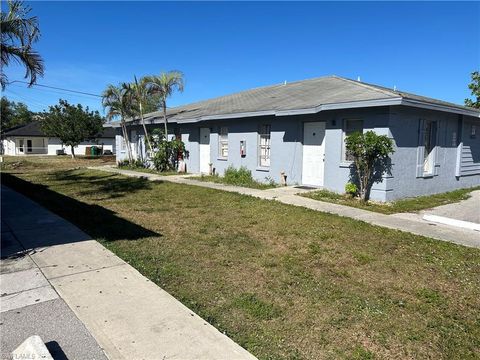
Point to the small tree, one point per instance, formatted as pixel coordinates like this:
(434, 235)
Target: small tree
(474, 86)
(72, 124)
(371, 154)
(166, 153)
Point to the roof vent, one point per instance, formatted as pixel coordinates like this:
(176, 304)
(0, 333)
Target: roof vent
(358, 78)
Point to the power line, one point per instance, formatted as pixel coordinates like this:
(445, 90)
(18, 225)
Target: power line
(58, 92)
(57, 88)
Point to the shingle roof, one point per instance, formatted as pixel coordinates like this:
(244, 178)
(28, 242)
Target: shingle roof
(298, 95)
(30, 129)
(33, 129)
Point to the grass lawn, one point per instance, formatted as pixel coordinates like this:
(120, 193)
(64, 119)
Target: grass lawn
(150, 171)
(284, 282)
(250, 183)
(405, 205)
(50, 163)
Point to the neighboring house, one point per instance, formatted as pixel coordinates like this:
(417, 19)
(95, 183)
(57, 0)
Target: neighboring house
(299, 129)
(30, 140)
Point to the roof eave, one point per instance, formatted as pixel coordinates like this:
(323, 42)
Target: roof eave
(439, 107)
(333, 106)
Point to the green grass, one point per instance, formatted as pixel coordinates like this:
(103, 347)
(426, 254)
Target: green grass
(285, 282)
(221, 180)
(405, 205)
(149, 171)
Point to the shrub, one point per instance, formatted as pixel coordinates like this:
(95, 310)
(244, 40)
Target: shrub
(351, 189)
(371, 158)
(135, 165)
(241, 176)
(166, 152)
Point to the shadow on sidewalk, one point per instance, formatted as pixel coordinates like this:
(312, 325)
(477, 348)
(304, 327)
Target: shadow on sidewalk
(95, 220)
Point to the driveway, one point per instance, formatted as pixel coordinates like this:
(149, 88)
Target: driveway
(466, 210)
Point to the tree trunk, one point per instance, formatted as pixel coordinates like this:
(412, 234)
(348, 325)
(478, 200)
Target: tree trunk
(165, 119)
(145, 129)
(73, 151)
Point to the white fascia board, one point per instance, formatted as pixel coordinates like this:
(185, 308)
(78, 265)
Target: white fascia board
(342, 105)
(445, 108)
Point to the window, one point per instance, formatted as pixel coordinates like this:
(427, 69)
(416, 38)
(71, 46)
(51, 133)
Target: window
(349, 127)
(20, 145)
(473, 131)
(264, 146)
(429, 143)
(29, 145)
(223, 142)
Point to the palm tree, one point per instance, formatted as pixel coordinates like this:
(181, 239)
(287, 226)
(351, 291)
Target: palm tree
(18, 33)
(164, 85)
(141, 94)
(119, 101)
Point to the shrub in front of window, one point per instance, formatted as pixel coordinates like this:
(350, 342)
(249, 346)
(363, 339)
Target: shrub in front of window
(370, 154)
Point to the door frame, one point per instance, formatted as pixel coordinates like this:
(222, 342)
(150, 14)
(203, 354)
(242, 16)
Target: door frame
(321, 181)
(201, 131)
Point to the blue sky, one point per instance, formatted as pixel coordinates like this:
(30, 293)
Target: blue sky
(429, 48)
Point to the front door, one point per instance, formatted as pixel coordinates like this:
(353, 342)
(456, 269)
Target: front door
(204, 150)
(133, 140)
(313, 153)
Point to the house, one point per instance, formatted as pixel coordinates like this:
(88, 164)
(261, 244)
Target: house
(298, 129)
(30, 140)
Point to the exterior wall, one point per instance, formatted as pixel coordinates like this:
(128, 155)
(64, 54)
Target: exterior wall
(8, 146)
(399, 123)
(405, 180)
(11, 145)
(55, 144)
(469, 148)
(48, 146)
(287, 149)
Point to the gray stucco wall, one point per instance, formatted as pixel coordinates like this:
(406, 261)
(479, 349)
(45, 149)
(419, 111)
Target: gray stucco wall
(399, 123)
(404, 127)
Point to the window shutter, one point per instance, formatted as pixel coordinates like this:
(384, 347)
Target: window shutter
(420, 148)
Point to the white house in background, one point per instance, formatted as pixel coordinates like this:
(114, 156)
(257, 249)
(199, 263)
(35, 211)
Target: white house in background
(30, 140)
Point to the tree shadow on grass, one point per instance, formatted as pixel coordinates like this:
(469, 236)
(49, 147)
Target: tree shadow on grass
(95, 220)
(109, 185)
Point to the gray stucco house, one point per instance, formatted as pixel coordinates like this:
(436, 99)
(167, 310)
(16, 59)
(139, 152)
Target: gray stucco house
(299, 129)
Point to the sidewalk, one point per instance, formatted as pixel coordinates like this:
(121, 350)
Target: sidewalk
(286, 195)
(129, 316)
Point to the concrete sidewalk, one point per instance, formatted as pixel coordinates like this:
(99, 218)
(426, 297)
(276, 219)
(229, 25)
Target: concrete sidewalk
(403, 222)
(129, 316)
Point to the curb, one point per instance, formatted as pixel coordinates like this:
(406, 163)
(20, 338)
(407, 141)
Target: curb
(452, 222)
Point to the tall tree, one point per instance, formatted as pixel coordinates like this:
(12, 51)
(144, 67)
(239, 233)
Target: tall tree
(120, 103)
(141, 94)
(474, 86)
(164, 85)
(19, 32)
(71, 123)
(14, 114)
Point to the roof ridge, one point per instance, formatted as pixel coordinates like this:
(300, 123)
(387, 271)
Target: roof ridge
(369, 86)
(248, 90)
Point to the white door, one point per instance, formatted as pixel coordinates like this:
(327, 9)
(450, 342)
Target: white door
(313, 153)
(204, 150)
(133, 141)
